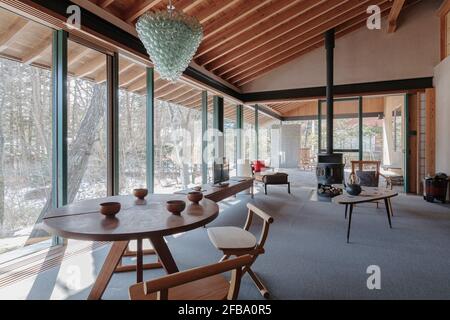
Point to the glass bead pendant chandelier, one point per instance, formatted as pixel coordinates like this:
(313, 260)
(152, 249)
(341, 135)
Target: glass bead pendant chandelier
(171, 39)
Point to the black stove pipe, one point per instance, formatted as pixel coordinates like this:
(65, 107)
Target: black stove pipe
(329, 45)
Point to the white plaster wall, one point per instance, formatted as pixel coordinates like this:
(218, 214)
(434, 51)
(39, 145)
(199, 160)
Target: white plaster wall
(442, 85)
(367, 56)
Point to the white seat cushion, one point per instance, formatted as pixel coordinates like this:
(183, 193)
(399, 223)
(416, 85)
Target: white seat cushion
(229, 238)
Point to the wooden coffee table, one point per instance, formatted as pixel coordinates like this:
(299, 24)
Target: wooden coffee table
(368, 194)
(137, 220)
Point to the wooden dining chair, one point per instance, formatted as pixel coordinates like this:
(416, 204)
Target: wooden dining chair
(202, 283)
(234, 241)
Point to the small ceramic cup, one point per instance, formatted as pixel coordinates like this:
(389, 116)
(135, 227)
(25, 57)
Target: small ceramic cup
(195, 197)
(110, 209)
(140, 193)
(175, 206)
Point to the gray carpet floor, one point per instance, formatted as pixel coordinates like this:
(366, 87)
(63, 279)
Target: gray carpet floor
(307, 256)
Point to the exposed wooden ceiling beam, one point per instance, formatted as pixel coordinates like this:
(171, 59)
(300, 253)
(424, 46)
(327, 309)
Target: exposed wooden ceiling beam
(444, 8)
(394, 14)
(238, 11)
(306, 22)
(104, 3)
(308, 34)
(37, 52)
(123, 67)
(340, 32)
(14, 30)
(132, 77)
(75, 57)
(139, 9)
(91, 66)
(210, 8)
(244, 25)
(173, 91)
(303, 22)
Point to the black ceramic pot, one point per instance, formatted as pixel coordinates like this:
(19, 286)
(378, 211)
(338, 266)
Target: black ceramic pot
(353, 189)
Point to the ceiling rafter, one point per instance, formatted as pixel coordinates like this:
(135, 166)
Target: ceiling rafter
(244, 33)
(306, 24)
(394, 14)
(242, 25)
(313, 32)
(341, 31)
(207, 9)
(139, 9)
(241, 10)
(104, 3)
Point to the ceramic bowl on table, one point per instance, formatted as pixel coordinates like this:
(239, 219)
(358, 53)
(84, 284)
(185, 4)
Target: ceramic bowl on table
(110, 209)
(140, 193)
(195, 196)
(175, 206)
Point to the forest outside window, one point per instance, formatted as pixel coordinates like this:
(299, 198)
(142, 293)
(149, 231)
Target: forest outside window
(132, 125)
(178, 136)
(86, 136)
(25, 129)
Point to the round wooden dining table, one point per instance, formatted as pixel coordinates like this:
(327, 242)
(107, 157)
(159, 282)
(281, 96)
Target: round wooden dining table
(137, 220)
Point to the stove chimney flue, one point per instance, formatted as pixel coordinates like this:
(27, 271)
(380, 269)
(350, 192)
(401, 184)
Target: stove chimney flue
(329, 46)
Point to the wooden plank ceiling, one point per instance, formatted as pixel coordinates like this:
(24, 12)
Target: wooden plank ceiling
(244, 39)
(31, 43)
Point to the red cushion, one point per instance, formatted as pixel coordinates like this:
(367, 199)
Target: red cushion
(258, 165)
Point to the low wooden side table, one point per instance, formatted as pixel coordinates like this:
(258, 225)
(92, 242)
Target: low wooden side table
(368, 194)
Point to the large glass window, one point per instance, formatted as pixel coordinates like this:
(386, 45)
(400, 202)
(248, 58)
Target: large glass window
(178, 136)
(230, 135)
(345, 128)
(373, 122)
(249, 133)
(132, 125)
(265, 124)
(86, 136)
(25, 129)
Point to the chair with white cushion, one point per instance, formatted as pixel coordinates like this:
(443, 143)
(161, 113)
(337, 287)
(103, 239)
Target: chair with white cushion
(234, 241)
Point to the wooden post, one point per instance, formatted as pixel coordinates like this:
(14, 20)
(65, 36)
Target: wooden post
(430, 132)
(150, 122)
(413, 142)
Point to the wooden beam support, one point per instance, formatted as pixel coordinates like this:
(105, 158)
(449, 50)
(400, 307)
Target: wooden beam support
(444, 8)
(430, 132)
(257, 72)
(303, 32)
(247, 29)
(139, 9)
(104, 3)
(394, 14)
(306, 21)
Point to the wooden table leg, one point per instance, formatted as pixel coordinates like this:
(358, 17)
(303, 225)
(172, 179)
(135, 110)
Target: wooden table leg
(388, 211)
(163, 252)
(139, 262)
(390, 207)
(349, 222)
(103, 278)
